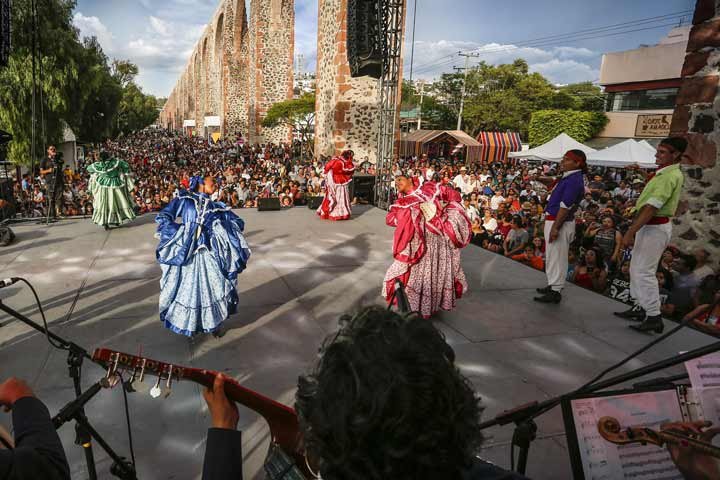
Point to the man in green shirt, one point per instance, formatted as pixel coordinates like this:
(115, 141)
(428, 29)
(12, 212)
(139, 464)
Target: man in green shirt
(650, 232)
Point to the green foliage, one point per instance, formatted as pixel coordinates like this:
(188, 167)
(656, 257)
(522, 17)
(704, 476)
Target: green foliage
(587, 97)
(547, 124)
(298, 114)
(76, 86)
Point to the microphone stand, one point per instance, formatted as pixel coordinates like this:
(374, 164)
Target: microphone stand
(84, 432)
(523, 416)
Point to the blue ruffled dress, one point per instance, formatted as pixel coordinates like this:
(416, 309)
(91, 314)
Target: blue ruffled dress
(200, 261)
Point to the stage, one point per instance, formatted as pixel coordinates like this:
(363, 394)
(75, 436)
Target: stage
(100, 289)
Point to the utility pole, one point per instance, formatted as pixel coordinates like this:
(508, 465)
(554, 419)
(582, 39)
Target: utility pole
(422, 92)
(462, 95)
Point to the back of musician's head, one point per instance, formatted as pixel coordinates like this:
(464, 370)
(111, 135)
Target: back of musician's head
(386, 401)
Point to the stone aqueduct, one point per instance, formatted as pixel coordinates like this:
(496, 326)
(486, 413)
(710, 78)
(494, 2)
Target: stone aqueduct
(241, 66)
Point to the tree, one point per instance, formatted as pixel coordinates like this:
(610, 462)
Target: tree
(124, 71)
(136, 111)
(298, 114)
(547, 124)
(588, 97)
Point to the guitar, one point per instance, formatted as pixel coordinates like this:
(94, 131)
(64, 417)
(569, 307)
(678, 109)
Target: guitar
(282, 420)
(610, 429)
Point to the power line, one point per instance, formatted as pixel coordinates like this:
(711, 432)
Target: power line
(585, 34)
(432, 66)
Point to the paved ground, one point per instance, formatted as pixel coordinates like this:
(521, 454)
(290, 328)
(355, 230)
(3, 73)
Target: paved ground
(101, 289)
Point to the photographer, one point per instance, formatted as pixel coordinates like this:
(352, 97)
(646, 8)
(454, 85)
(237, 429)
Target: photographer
(51, 172)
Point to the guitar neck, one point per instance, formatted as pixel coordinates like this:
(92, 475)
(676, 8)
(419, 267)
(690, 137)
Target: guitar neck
(265, 406)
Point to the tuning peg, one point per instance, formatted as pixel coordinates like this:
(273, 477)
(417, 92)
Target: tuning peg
(112, 368)
(168, 386)
(137, 384)
(156, 391)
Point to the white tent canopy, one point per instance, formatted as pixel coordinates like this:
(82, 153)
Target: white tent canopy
(553, 150)
(623, 154)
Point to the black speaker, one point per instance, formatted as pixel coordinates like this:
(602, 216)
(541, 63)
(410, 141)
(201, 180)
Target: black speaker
(363, 187)
(364, 38)
(314, 202)
(4, 32)
(268, 204)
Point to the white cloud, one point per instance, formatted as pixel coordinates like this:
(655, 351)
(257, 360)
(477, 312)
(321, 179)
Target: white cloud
(558, 64)
(159, 26)
(93, 27)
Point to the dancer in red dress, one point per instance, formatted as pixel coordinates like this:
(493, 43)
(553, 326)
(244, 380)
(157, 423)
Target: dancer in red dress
(338, 175)
(431, 228)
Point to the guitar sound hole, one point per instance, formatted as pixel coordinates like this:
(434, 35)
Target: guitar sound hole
(124, 359)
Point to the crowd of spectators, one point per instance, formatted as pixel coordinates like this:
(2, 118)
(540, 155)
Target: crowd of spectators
(162, 162)
(505, 202)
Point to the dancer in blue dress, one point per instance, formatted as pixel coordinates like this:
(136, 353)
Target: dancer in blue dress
(200, 260)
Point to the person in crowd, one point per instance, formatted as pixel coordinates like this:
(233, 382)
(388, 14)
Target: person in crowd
(530, 257)
(426, 246)
(111, 187)
(685, 284)
(517, 238)
(619, 284)
(37, 453)
(590, 271)
(338, 174)
(470, 209)
(53, 178)
(702, 268)
(200, 260)
(650, 232)
(608, 239)
(560, 223)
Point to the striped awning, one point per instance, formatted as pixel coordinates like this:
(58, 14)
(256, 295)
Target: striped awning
(495, 146)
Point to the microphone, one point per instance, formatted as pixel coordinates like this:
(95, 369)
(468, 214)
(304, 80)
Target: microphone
(401, 296)
(9, 281)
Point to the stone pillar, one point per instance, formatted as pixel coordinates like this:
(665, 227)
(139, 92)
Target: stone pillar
(236, 85)
(696, 117)
(271, 49)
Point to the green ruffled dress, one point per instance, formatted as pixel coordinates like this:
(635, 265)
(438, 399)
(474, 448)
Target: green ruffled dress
(110, 186)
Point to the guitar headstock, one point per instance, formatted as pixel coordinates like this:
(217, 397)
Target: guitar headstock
(610, 429)
(138, 367)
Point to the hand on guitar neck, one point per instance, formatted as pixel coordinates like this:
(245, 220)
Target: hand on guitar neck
(224, 413)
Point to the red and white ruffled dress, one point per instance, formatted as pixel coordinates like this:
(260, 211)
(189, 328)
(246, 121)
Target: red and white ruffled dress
(336, 204)
(427, 247)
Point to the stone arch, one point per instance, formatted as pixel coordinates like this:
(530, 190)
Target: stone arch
(205, 79)
(219, 62)
(197, 89)
(239, 26)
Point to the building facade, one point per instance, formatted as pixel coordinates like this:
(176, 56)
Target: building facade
(641, 86)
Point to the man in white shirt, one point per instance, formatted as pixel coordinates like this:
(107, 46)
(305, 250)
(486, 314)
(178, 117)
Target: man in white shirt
(496, 200)
(473, 185)
(484, 176)
(470, 210)
(460, 181)
(429, 173)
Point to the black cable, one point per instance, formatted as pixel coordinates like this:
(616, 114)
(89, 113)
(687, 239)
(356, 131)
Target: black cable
(42, 314)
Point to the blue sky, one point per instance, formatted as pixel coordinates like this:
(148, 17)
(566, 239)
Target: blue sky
(159, 35)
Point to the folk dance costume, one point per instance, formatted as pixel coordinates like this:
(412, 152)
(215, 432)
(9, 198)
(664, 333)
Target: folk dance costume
(338, 175)
(200, 260)
(566, 195)
(652, 236)
(431, 228)
(110, 186)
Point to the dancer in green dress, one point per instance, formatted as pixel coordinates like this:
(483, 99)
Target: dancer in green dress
(110, 186)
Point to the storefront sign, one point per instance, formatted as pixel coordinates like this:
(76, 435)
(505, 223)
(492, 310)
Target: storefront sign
(653, 125)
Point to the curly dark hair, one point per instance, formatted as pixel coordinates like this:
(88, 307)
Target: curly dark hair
(386, 400)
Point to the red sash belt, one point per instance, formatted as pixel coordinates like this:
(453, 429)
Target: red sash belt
(549, 217)
(658, 220)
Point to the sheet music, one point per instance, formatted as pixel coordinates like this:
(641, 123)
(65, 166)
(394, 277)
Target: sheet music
(704, 372)
(603, 460)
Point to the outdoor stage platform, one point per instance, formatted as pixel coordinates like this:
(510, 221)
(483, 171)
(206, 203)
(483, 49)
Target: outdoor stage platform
(100, 289)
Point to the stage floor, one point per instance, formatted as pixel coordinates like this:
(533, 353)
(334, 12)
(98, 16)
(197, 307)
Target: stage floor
(100, 289)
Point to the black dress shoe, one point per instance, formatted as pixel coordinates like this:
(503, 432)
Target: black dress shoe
(543, 289)
(220, 331)
(549, 297)
(651, 324)
(635, 314)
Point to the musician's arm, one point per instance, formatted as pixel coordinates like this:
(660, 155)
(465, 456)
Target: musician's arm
(223, 451)
(38, 451)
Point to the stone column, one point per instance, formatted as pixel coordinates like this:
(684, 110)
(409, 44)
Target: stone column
(271, 51)
(346, 108)
(696, 117)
